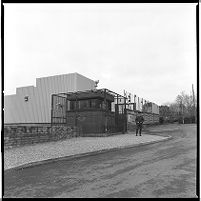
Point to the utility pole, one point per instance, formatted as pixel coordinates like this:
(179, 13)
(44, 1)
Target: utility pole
(105, 108)
(182, 111)
(194, 103)
(76, 108)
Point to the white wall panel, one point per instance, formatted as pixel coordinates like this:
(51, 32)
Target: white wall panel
(8, 107)
(83, 83)
(41, 100)
(38, 108)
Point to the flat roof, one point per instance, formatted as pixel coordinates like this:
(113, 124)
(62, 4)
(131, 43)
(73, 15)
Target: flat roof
(91, 93)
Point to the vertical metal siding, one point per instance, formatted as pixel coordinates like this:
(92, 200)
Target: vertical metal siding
(83, 83)
(44, 92)
(33, 106)
(50, 85)
(21, 105)
(40, 99)
(38, 107)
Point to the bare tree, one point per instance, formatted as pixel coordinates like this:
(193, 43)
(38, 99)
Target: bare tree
(186, 104)
(182, 109)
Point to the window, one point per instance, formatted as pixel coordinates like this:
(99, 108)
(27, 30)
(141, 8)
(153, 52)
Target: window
(96, 103)
(26, 98)
(99, 103)
(84, 104)
(93, 103)
(109, 105)
(87, 104)
(72, 105)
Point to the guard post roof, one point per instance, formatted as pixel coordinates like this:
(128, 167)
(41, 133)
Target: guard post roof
(97, 93)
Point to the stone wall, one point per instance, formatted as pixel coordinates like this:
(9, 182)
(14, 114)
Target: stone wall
(149, 119)
(15, 136)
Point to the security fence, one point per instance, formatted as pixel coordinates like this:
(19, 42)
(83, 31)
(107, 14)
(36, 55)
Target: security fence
(92, 111)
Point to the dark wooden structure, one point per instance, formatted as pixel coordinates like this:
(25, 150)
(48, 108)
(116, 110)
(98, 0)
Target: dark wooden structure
(93, 111)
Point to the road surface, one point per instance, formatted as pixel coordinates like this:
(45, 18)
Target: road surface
(164, 169)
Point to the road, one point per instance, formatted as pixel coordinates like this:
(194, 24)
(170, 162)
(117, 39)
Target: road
(164, 169)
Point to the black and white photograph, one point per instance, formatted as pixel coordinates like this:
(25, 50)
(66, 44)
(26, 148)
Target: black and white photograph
(100, 100)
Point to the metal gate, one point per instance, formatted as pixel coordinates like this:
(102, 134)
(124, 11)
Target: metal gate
(120, 118)
(59, 109)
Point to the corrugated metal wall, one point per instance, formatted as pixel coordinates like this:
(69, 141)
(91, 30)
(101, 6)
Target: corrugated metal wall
(38, 107)
(83, 81)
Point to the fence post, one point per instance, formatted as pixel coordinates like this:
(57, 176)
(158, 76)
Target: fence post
(105, 107)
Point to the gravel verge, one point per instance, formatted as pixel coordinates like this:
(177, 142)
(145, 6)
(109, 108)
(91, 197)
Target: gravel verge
(76, 147)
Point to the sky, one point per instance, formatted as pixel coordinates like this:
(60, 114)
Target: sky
(146, 49)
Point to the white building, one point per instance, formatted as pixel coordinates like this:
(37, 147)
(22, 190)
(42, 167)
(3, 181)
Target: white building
(32, 104)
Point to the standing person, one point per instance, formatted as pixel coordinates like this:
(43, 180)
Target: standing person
(139, 121)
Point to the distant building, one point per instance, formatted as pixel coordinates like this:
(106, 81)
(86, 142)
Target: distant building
(32, 104)
(150, 108)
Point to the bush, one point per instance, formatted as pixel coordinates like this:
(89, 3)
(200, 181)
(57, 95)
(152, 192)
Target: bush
(189, 120)
(161, 120)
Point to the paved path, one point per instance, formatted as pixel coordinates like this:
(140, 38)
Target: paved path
(39, 152)
(158, 170)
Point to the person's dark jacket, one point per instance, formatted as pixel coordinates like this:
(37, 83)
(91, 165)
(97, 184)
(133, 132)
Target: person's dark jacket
(139, 120)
